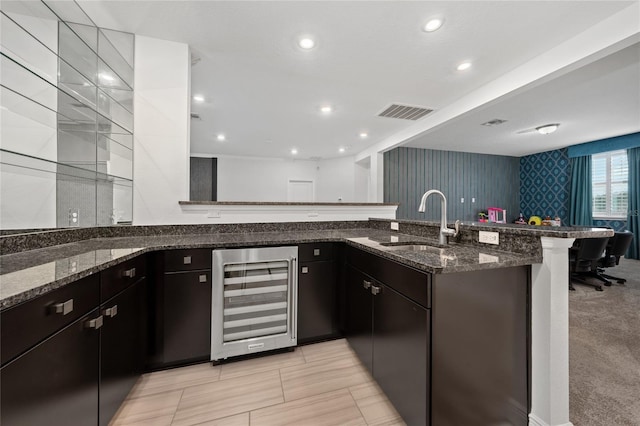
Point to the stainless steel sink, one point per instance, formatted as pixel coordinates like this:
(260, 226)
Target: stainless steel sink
(415, 247)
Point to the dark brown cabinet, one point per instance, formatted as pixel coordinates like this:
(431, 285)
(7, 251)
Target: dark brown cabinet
(182, 307)
(122, 347)
(391, 334)
(79, 357)
(317, 293)
(56, 382)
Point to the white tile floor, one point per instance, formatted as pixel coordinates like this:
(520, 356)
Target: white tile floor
(320, 384)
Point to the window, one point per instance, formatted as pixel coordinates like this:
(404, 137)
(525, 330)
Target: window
(609, 174)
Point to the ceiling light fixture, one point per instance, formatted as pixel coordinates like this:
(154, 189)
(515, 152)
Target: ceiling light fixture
(464, 66)
(326, 109)
(221, 137)
(341, 149)
(433, 25)
(294, 151)
(306, 43)
(547, 128)
(198, 98)
(364, 135)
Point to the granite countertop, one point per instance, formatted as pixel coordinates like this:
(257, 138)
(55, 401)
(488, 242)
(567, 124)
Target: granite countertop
(28, 274)
(278, 203)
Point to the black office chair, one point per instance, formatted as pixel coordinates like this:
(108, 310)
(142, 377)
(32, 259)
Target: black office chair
(616, 247)
(583, 257)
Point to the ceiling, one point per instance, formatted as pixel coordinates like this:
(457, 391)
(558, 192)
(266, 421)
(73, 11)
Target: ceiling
(264, 93)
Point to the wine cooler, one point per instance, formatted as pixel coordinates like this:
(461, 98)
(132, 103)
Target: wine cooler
(254, 300)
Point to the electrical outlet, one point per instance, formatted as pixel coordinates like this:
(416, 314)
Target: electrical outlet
(489, 237)
(74, 217)
(395, 226)
(462, 199)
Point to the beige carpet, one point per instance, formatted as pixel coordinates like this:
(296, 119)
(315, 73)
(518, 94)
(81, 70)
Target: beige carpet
(604, 351)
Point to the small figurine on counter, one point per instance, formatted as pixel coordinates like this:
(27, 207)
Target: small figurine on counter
(483, 217)
(546, 221)
(521, 220)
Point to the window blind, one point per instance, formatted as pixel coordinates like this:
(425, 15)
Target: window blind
(609, 177)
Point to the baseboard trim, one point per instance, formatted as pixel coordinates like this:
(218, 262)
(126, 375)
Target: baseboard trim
(536, 421)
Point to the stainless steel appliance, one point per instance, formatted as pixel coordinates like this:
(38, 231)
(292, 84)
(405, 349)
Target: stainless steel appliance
(254, 300)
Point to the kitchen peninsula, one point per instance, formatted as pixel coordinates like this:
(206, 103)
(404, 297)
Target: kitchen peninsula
(29, 274)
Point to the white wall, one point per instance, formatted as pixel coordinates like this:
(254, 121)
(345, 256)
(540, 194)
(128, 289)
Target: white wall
(263, 179)
(161, 122)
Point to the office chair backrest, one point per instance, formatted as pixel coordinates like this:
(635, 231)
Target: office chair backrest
(591, 248)
(618, 245)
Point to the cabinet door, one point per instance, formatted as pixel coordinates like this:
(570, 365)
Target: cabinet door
(187, 316)
(56, 382)
(316, 301)
(401, 353)
(359, 315)
(121, 349)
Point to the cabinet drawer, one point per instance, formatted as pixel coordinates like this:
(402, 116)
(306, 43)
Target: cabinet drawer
(311, 252)
(414, 284)
(187, 260)
(119, 277)
(27, 324)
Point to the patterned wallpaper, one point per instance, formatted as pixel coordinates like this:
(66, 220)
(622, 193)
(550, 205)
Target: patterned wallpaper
(545, 184)
(545, 187)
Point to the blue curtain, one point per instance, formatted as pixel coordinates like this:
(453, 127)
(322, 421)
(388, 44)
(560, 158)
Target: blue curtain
(633, 218)
(581, 196)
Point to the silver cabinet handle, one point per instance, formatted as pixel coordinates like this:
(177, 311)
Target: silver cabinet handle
(62, 308)
(375, 290)
(95, 323)
(366, 284)
(316, 252)
(304, 270)
(130, 273)
(187, 260)
(202, 278)
(111, 312)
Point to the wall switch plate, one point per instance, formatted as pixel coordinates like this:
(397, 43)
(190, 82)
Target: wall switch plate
(395, 226)
(462, 200)
(394, 239)
(489, 237)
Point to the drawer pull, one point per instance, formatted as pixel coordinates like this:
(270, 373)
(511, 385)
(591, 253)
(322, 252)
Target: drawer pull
(111, 312)
(187, 260)
(316, 252)
(305, 270)
(130, 273)
(375, 289)
(95, 323)
(366, 284)
(62, 308)
(202, 278)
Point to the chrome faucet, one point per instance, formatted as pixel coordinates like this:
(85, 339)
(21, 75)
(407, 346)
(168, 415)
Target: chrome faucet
(444, 231)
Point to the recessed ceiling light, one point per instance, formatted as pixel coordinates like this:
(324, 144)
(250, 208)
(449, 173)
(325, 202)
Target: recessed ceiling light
(464, 66)
(341, 149)
(433, 25)
(326, 109)
(221, 137)
(547, 128)
(294, 151)
(306, 43)
(198, 98)
(364, 135)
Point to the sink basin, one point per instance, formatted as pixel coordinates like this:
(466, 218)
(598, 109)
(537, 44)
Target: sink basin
(415, 247)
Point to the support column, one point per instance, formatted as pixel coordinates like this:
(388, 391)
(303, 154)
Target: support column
(550, 335)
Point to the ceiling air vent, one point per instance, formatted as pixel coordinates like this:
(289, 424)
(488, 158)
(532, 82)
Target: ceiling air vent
(195, 116)
(405, 112)
(494, 122)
